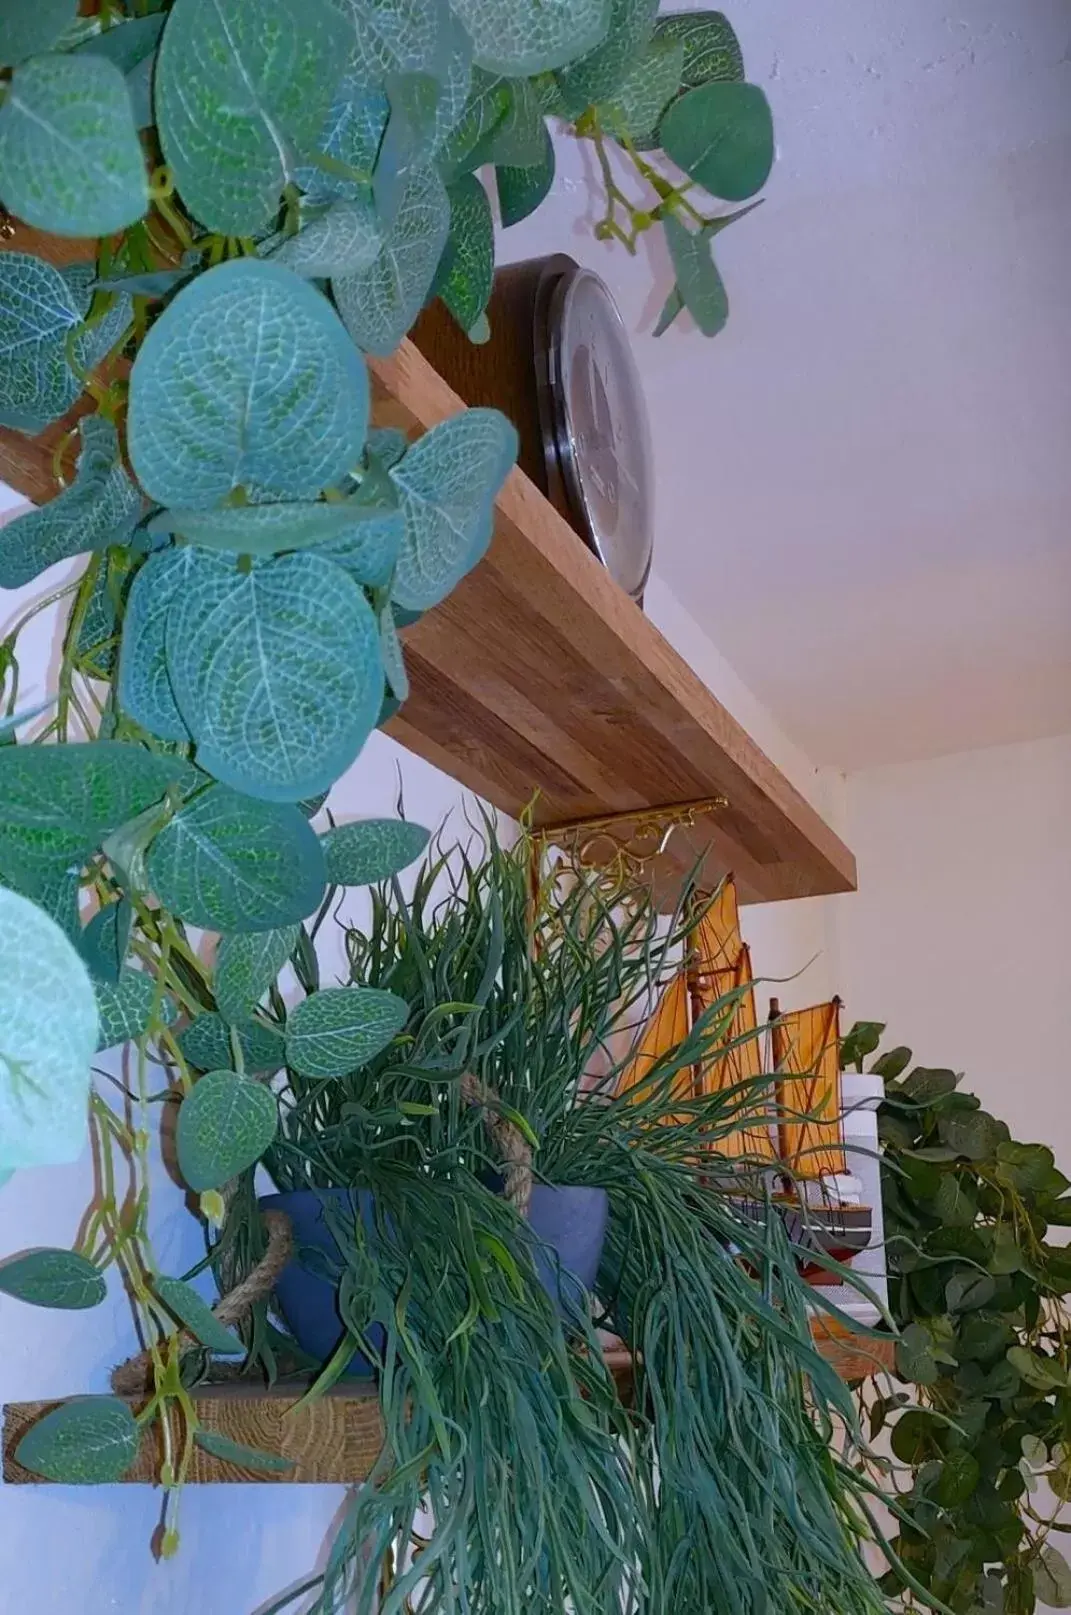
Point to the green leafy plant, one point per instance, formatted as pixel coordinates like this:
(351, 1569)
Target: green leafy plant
(716, 1486)
(979, 1290)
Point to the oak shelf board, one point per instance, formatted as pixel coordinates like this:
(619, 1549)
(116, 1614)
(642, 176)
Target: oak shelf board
(538, 677)
(337, 1439)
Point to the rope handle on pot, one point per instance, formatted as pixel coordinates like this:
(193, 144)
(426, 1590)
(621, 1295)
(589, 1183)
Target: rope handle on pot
(507, 1138)
(134, 1377)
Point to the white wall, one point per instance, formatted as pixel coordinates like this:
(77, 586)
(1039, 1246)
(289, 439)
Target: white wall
(958, 935)
(62, 1547)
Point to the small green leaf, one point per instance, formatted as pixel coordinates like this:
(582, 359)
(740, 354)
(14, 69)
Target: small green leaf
(246, 380)
(517, 140)
(646, 90)
(58, 803)
(914, 1356)
(467, 269)
(188, 1307)
(862, 1039)
(1025, 1166)
(37, 310)
(342, 163)
(954, 1203)
(1034, 1451)
(1042, 1372)
(233, 1452)
(125, 1008)
(521, 190)
(597, 75)
(447, 483)
(972, 1133)
(276, 671)
(88, 1441)
(892, 1064)
(380, 302)
(125, 44)
(914, 1436)
(206, 1044)
(711, 49)
(959, 1477)
(967, 1291)
(525, 37)
(242, 87)
(105, 940)
(228, 862)
(144, 686)
(101, 507)
(1052, 1579)
(31, 27)
(247, 965)
(344, 238)
(722, 136)
(926, 1086)
(699, 284)
(340, 1029)
(224, 1126)
(53, 1278)
(486, 109)
(392, 657)
(70, 159)
(371, 850)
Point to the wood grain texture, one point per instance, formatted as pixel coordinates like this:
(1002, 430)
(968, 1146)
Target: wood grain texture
(336, 1439)
(539, 672)
(539, 675)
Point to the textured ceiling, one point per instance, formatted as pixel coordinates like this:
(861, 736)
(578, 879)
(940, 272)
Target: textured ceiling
(864, 484)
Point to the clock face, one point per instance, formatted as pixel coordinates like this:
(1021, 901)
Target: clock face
(603, 436)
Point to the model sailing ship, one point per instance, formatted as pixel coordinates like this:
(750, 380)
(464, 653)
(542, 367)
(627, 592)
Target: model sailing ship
(787, 1139)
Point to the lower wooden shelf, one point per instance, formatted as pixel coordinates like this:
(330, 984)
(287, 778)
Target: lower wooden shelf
(337, 1439)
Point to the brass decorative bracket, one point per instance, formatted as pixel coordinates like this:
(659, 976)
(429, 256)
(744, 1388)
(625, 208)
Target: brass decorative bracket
(622, 846)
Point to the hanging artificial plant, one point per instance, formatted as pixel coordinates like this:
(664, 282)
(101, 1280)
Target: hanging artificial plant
(979, 1292)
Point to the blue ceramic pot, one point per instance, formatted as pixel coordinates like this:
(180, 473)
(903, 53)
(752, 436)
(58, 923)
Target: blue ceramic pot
(569, 1226)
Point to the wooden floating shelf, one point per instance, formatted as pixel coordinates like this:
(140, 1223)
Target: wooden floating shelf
(539, 675)
(337, 1439)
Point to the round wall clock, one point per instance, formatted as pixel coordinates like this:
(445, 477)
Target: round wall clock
(559, 363)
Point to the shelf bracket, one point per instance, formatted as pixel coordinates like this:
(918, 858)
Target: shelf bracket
(622, 846)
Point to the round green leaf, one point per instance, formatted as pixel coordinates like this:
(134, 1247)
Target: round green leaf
(959, 1477)
(380, 302)
(228, 862)
(37, 309)
(338, 1030)
(371, 850)
(224, 1126)
(31, 27)
(99, 508)
(104, 942)
(241, 86)
(639, 101)
(447, 482)
(349, 141)
(247, 965)
(276, 671)
(188, 1307)
(58, 803)
(1052, 1579)
(125, 43)
(53, 1278)
(954, 1203)
(48, 1037)
(1042, 1372)
(70, 158)
(125, 1007)
(722, 136)
(246, 380)
(86, 1442)
(972, 1133)
(206, 1043)
(915, 1436)
(524, 37)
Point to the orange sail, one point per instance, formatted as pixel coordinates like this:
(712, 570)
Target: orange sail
(806, 1053)
(668, 1026)
(719, 964)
